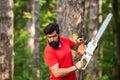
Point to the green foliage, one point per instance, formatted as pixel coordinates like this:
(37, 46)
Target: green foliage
(27, 15)
(19, 8)
(23, 68)
(109, 60)
(47, 12)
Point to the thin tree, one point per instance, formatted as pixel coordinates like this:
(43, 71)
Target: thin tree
(99, 47)
(6, 40)
(117, 24)
(92, 67)
(33, 32)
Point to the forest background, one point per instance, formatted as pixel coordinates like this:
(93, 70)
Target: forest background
(22, 62)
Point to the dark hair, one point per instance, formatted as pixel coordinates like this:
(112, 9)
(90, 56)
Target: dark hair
(50, 28)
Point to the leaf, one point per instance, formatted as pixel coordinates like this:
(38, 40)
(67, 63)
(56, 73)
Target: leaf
(27, 15)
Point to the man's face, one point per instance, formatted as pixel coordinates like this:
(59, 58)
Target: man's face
(53, 40)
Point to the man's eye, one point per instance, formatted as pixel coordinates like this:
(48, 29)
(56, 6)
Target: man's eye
(49, 37)
(54, 36)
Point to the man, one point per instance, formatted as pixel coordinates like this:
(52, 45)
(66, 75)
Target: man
(58, 55)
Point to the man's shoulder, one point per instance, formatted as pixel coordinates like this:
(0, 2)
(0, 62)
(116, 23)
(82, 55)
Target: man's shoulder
(48, 49)
(64, 38)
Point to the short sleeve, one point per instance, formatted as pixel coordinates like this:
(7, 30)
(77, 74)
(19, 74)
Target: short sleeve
(50, 58)
(71, 43)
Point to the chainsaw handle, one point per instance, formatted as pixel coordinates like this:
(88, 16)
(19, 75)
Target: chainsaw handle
(85, 59)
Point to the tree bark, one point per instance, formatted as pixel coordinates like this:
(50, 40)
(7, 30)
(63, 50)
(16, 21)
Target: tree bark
(6, 40)
(92, 67)
(69, 17)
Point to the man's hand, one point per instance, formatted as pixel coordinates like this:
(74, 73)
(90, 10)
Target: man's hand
(79, 65)
(79, 40)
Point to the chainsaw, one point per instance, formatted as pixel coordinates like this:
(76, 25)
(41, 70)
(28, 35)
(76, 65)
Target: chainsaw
(92, 44)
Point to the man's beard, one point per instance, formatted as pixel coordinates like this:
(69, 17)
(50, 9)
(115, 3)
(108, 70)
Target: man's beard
(55, 44)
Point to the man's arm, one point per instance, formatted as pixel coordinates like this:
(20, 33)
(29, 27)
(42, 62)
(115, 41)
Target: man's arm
(61, 72)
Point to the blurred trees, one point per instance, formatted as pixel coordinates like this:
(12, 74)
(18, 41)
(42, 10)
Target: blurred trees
(27, 40)
(23, 64)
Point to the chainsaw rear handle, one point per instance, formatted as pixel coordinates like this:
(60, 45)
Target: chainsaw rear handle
(87, 54)
(85, 59)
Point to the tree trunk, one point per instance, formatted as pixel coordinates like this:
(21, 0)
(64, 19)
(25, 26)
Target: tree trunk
(33, 32)
(70, 19)
(86, 16)
(6, 40)
(100, 45)
(117, 23)
(92, 67)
